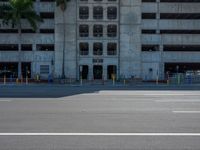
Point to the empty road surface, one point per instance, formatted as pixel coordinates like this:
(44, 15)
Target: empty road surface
(98, 118)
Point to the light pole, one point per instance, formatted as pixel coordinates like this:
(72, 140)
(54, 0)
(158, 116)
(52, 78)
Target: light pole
(4, 75)
(178, 76)
(26, 74)
(81, 70)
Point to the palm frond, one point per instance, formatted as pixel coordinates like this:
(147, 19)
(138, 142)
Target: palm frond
(15, 10)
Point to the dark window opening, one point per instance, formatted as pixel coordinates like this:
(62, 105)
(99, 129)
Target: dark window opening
(45, 47)
(98, 49)
(8, 47)
(112, 71)
(84, 48)
(8, 69)
(186, 48)
(26, 69)
(98, 72)
(112, 30)
(181, 67)
(26, 47)
(150, 48)
(112, 49)
(84, 72)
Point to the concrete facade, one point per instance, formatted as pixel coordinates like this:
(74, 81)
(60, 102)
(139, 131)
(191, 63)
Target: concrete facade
(141, 26)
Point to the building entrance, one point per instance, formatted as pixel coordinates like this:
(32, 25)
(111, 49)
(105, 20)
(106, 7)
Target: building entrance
(98, 72)
(26, 69)
(84, 72)
(112, 70)
(8, 69)
(181, 67)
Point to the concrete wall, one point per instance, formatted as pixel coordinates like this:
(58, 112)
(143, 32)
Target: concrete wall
(130, 38)
(70, 40)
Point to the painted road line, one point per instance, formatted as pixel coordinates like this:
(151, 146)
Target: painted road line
(186, 112)
(144, 93)
(100, 134)
(177, 101)
(5, 100)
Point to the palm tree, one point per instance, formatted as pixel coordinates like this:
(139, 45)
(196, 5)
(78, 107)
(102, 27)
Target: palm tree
(63, 5)
(12, 14)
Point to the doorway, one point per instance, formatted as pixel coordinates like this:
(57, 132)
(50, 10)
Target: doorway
(112, 70)
(26, 69)
(98, 72)
(84, 72)
(8, 69)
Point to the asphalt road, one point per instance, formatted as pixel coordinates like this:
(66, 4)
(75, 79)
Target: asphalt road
(99, 118)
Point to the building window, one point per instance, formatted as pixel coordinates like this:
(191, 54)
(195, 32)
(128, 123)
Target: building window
(84, 48)
(98, 49)
(84, 12)
(112, 13)
(26, 47)
(98, 30)
(98, 12)
(83, 30)
(112, 49)
(112, 30)
(9, 47)
(150, 48)
(45, 47)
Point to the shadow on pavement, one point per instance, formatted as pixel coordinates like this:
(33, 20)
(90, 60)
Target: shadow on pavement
(58, 91)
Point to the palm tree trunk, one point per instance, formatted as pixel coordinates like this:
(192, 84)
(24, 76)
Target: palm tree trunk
(63, 62)
(19, 51)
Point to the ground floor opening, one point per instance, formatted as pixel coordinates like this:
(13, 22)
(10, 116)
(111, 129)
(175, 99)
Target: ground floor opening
(98, 72)
(10, 69)
(172, 68)
(112, 71)
(84, 72)
(26, 69)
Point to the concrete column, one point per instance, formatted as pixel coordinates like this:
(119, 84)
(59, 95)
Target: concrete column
(105, 72)
(19, 69)
(161, 64)
(130, 41)
(90, 73)
(158, 16)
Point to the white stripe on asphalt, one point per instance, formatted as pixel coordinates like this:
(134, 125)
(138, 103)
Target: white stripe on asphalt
(175, 101)
(5, 100)
(100, 134)
(145, 93)
(186, 112)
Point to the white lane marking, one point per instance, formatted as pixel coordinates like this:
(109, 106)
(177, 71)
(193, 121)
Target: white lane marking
(175, 101)
(100, 134)
(5, 100)
(186, 112)
(145, 93)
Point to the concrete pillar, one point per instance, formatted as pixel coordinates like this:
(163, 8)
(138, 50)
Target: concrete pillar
(158, 16)
(90, 73)
(130, 47)
(19, 69)
(161, 63)
(105, 72)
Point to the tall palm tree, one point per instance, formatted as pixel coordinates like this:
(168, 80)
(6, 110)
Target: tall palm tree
(63, 5)
(12, 14)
